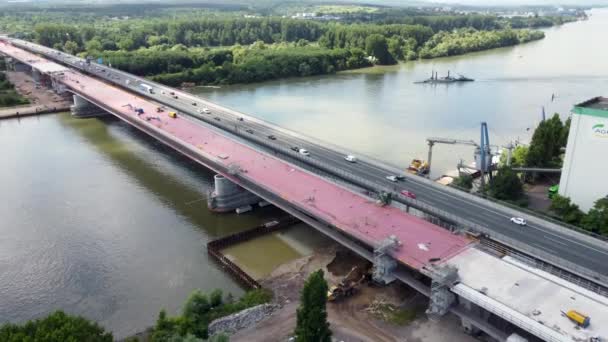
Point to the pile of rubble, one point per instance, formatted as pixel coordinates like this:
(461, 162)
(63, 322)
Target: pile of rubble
(240, 320)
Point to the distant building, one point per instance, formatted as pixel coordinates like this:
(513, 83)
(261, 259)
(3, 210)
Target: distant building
(585, 172)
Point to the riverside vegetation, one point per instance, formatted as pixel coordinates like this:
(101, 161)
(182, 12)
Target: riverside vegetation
(8, 95)
(198, 311)
(227, 48)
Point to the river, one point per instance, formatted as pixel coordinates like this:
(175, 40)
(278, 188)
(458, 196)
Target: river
(100, 220)
(381, 112)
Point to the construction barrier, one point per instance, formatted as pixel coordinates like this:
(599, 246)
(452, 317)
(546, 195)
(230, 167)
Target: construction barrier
(214, 248)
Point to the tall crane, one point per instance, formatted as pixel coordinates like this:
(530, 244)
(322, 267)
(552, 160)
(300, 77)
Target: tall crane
(482, 150)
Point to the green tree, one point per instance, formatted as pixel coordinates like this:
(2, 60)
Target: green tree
(565, 132)
(464, 182)
(71, 47)
(195, 313)
(566, 210)
(518, 156)
(506, 185)
(376, 45)
(93, 46)
(547, 141)
(56, 327)
(312, 322)
(597, 218)
(126, 44)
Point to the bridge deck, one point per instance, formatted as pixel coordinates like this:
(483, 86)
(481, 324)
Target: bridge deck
(531, 298)
(350, 212)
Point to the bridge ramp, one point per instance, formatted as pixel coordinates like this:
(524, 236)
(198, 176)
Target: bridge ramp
(532, 298)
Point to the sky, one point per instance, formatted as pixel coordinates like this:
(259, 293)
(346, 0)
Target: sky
(522, 2)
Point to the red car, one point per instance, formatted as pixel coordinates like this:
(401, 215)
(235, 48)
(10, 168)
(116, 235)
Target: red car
(408, 194)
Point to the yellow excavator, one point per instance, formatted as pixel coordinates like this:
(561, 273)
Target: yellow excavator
(348, 286)
(418, 167)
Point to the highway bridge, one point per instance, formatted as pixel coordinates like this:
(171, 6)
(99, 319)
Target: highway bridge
(333, 195)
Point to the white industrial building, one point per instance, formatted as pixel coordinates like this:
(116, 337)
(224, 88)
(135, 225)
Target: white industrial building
(585, 172)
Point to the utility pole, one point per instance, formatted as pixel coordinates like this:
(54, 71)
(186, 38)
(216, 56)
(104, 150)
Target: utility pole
(510, 146)
(484, 149)
(431, 143)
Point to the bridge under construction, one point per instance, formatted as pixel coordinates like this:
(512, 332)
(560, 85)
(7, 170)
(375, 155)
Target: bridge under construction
(491, 281)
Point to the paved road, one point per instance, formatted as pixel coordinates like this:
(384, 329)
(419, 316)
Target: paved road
(538, 236)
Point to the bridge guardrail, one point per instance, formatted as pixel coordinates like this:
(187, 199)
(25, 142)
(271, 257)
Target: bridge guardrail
(556, 224)
(371, 186)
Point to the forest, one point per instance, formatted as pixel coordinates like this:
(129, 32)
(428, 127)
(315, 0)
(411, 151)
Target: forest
(226, 47)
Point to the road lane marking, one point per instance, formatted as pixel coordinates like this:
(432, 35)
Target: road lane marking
(555, 240)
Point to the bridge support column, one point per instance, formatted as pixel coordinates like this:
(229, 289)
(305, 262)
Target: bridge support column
(384, 264)
(467, 325)
(443, 278)
(84, 109)
(36, 75)
(474, 311)
(228, 196)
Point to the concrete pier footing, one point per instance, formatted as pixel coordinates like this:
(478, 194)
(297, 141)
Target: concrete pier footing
(228, 196)
(84, 109)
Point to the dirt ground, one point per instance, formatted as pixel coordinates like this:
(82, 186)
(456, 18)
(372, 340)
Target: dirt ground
(40, 97)
(350, 319)
(537, 195)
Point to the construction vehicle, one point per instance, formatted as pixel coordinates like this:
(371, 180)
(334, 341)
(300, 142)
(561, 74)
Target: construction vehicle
(579, 318)
(552, 191)
(418, 167)
(172, 115)
(384, 198)
(348, 286)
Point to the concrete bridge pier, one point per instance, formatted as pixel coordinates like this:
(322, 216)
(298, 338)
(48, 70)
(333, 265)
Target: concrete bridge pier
(36, 75)
(228, 196)
(14, 65)
(473, 310)
(84, 109)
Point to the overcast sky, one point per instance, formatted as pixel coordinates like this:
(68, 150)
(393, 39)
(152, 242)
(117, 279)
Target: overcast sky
(523, 2)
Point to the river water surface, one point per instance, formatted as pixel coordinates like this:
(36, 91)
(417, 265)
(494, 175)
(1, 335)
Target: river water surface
(99, 220)
(381, 112)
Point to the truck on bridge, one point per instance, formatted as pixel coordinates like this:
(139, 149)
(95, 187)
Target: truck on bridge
(146, 88)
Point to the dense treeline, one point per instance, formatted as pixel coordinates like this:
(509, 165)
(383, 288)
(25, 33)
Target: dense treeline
(216, 49)
(200, 32)
(256, 65)
(348, 36)
(468, 40)
(536, 22)
(56, 327)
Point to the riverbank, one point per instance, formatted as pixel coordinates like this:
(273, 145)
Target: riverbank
(41, 99)
(358, 318)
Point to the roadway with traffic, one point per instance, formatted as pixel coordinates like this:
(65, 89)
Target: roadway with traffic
(490, 215)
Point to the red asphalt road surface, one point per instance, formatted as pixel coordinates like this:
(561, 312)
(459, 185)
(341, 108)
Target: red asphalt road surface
(350, 212)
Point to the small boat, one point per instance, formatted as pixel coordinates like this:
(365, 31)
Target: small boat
(435, 79)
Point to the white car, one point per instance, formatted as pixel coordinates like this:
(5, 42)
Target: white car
(392, 178)
(206, 111)
(304, 152)
(351, 158)
(518, 220)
